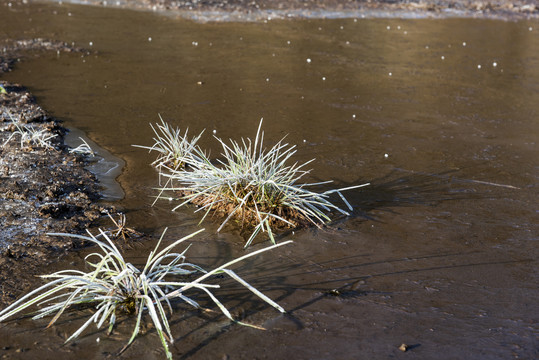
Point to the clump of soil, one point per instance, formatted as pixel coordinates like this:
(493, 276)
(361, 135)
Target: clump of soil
(44, 187)
(247, 213)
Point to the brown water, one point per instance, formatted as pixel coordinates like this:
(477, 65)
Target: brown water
(441, 116)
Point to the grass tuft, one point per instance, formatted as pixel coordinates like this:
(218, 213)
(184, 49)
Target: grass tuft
(174, 149)
(259, 188)
(115, 286)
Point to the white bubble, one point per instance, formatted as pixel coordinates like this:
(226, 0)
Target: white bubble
(479, 66)
(390, 74)
(398, 27)
(405, 32)
(215, 131)
(443, 57)
(530, 28)
(464, 43)
(308, 61)
(304, 140)
(150, 39)
(494, 64)
(386, 155)
(324, 78)
(91, 43)
(288, 42)
(388, 27)
(342, 27)
(354, 116)
(426, 46)
(267, 79)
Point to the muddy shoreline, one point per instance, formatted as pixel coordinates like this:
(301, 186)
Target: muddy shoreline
(244, 10)
(45, 186)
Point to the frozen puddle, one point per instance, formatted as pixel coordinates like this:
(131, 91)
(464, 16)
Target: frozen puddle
(105, 166)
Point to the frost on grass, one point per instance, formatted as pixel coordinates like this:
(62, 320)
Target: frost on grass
(260, 188)
(115, 287)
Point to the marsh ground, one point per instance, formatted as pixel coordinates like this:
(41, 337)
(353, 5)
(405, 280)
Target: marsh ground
(441, 250)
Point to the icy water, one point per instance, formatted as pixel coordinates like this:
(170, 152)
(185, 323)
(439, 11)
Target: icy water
(441, 116)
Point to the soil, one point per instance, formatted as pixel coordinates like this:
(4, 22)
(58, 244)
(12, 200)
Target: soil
(44, 187)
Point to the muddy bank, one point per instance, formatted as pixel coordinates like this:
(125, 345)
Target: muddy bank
(247, 10)
(304, 8)
(44, 184)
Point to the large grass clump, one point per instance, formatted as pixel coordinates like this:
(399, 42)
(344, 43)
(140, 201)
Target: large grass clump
(115, 286)
(260, 188)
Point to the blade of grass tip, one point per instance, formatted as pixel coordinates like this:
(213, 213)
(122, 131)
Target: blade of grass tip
(345, 201)
(227, 313)
(86, 324)
(256, 139)
(15, 308)
(233, 275)
(346, 188)
(219, 304)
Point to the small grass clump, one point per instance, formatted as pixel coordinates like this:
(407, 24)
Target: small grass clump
(83, 149)
(257, 187)
(31, 136)
(115, 286)
(174, 149)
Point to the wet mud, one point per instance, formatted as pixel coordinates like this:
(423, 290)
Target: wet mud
(438, 115)
(45, 187)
